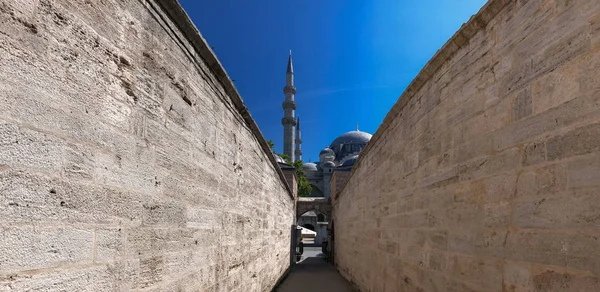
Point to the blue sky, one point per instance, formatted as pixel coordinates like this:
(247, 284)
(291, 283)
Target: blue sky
(352, 58)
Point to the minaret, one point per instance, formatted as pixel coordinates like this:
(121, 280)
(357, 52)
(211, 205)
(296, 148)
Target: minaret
(289, 108)
(298, 150)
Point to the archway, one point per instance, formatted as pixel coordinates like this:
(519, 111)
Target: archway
(310, 220)
(320, 217)
(318, 205)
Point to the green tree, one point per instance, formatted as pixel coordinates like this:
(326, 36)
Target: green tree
(271, 144)
(285, 157)
(304, 186)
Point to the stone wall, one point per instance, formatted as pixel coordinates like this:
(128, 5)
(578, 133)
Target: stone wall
(485, 176)
(127, 158)
(291, 178)
(338, 180)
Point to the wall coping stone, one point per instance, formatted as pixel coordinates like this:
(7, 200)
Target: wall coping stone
(476, 23)
(180, 18)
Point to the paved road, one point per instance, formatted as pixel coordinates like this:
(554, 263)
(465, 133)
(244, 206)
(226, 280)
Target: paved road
(314, 274)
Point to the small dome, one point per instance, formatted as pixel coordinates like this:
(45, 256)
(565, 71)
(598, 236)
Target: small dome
(327, 150)
(278, 158)
(352, 137)
(329, 164)
(309, 167)
(350, 161)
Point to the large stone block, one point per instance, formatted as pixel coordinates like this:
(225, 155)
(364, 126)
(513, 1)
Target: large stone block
(556, 87)
(31, 149)
(501, 187)
(534, 153)
(542, 181)
(40, 199)
(479, 272)
(90, 278)
(572, 210)
(552, 280)
(584, 172)
(574, 250)
(539, 54)
(516, 277)
(504, 161)
(478, 242)
(579, 141)
(522, 105)
(579, 109)
(29, 247)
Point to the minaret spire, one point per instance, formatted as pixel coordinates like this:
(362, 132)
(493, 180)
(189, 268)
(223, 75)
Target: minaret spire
(298, 151)
(289, 109)
(290, 67)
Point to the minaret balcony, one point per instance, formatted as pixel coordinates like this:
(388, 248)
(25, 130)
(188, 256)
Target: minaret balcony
(289, 104)
(289, 89)
(298, 152)
(298, 141)
(288, 121)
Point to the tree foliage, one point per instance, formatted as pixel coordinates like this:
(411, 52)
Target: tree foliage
(285, 157)
(304, 186)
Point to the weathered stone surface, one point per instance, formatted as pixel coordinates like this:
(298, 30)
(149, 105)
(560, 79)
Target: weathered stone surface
(576, 142)
(492, 181)
(44, 247)
(551, 280)
(127, 159)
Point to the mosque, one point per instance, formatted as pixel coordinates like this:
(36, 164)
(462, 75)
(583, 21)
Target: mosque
(340, 155)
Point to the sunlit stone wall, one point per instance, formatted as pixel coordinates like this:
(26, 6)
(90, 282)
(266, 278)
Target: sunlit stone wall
(127, 159)
(485, 176)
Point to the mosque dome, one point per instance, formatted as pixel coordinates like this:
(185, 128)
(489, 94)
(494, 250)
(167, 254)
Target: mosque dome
(326, 155)
(327, 150)
(352, 137)
(349, 144)
(278, 158)
(329, 164)
(309, 167)
(350, 161)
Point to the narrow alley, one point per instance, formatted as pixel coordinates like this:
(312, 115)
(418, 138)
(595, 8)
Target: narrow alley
(129, 160)
(314, 274)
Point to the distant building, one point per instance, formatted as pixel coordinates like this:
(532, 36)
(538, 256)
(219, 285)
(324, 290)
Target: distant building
(340, 155)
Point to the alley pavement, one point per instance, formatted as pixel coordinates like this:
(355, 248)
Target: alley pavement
(314, 274)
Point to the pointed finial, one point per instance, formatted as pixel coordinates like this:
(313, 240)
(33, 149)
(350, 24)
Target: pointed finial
(290, 67)
(357, 127)
(298, 125)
